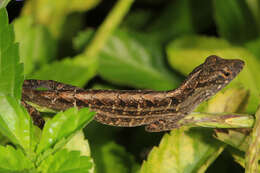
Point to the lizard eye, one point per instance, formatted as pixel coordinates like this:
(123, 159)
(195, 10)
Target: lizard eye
(226, 74)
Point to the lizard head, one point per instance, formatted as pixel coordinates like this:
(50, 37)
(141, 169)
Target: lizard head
(218, 72)
(207, 79)
(213, 75)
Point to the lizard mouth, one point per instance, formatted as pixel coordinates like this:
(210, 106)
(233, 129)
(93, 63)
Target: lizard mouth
(238, 65)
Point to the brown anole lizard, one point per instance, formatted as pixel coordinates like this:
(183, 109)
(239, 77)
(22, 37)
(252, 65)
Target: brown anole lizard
(157, 110)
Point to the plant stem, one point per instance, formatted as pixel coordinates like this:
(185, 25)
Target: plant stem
(251, 160)
(111, 22)
(218, 120)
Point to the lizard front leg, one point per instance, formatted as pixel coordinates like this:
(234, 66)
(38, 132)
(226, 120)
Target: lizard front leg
(36, 117)
(33, 84)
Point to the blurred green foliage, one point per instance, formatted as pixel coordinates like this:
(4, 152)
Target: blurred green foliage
(154, 47)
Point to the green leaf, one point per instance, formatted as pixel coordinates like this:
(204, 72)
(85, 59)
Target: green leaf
(217, 112)
(181, 17)
(125, 60)
(236, 25)
(141, 55)
(15, 123)
(253, 150)
(3, 3)
(66, 162)
(53, 13)
(232, 100)
(63, 126)
(13, 160)
(233, 138)
(183, 151)
(83, 39)
(136, 19)
(253, 47)
(196, 49)
(79, 143)
(3, 139)
(77, 71)
(202, 149)
(239, 157)
(37, 47)
(114, 158)
(254, 8)
(11, 71)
